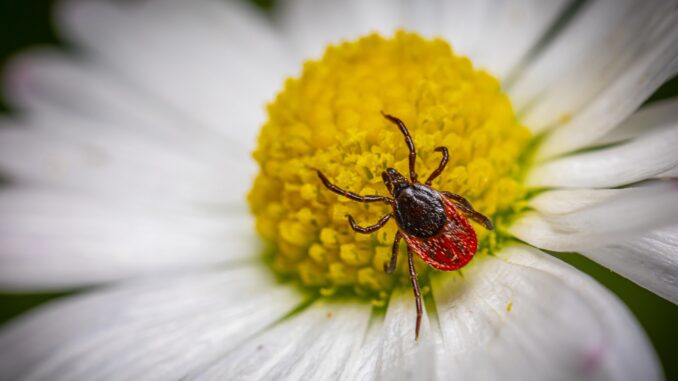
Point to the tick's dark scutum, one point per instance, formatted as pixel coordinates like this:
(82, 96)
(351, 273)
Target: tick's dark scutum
(419, 211)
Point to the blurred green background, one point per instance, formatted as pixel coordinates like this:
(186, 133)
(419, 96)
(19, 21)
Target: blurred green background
(28, 23)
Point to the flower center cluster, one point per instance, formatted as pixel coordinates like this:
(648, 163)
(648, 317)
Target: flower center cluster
(329, 118)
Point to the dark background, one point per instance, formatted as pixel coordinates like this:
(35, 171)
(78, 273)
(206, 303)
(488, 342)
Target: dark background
(28, 23)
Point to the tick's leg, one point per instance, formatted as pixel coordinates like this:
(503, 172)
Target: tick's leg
(394, 254)
(368, 229)
(351, 195)
(468, 210)
(441, 166)
(408, 141)
(459, 200)
(477, 217)
(417, 294)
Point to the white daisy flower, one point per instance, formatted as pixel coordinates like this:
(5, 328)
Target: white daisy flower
(129, 165)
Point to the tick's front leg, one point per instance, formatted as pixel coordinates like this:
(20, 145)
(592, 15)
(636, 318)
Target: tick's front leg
(441, 166)
(351, 195)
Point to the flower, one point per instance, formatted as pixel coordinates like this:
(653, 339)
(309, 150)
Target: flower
(128, 168)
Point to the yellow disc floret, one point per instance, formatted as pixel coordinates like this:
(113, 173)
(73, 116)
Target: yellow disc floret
(329, 118)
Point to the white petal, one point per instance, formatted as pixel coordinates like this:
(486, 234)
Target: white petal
(311, 25)
(390, 351)
(362, 365)
(671, 173)
(159, 329)
(649, 259)
(401, 357)
(62, 93)
(617, 102)
(119, 165)
(632, 210)
(313, 345)
(51, 239)
(495, 34)
(522, 315)
(568, 201)
(505, 31)
(657, 116)
(598, 71)
(217, 62)
(647, 156)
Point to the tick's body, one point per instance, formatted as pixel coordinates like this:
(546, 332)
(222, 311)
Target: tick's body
(420, 211)
(451, 247)
(433, 223)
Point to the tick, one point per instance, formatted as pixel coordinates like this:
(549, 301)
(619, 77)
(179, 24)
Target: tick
(433, 223)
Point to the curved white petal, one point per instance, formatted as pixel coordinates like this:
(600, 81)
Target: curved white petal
(657, 116)
(602, 35)
(117, 165)
(523, 315)
(389, 350)
(56, 240)
(598, 71)
(616, 103)
(215, 62)
(571, 200)
(401, 357)
(495, 34)
(614, 232)
(649, 259)
(161, 328)
(505, 31)
(312, 345)
(647, 156)
(311, 25)
(671, 173)
(362, 365)
(60, 92)
(629, 211)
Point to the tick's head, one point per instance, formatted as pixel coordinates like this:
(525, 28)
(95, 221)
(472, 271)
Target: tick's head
(395, 182)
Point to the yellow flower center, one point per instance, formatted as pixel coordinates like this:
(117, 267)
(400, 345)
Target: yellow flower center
(329, 118)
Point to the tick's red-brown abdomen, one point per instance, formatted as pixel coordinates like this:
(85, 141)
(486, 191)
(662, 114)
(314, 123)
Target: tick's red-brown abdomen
(452, 247)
